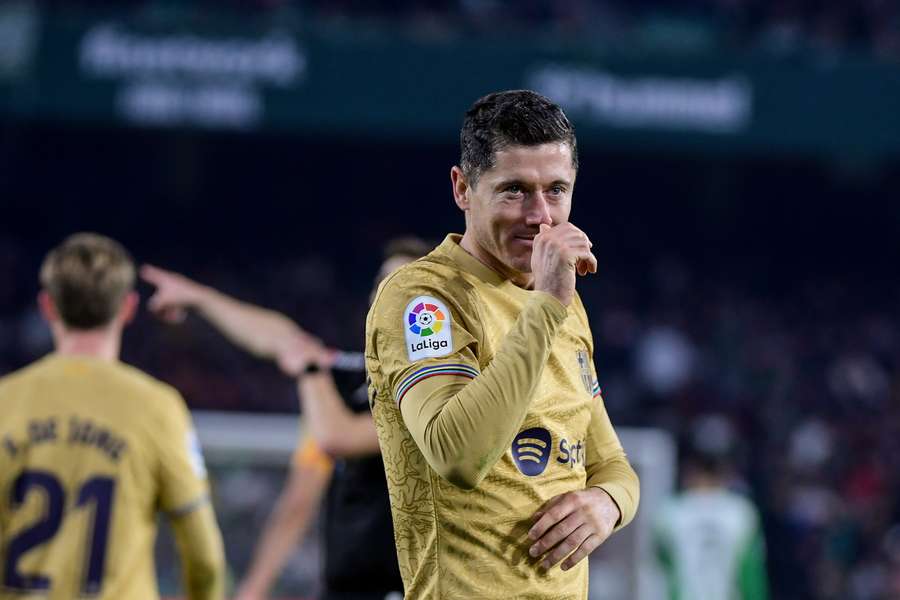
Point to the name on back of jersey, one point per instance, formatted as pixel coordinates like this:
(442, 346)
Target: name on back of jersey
(74, 431)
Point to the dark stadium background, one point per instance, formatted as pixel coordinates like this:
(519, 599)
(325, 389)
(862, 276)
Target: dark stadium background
(769, 268)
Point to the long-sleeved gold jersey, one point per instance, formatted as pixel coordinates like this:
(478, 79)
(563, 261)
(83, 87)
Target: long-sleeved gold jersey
(487, 405)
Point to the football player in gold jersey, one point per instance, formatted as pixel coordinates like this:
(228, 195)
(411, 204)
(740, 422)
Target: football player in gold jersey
(504, 470)
(91, 449)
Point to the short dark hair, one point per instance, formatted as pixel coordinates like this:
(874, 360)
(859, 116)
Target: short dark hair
(712, 444)
(409, 246)
(513, 117)
(88, 277)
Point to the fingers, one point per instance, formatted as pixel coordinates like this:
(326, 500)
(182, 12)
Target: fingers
(586, 263)
(298, 351)
(571, 231)
(170, 314)
(155, 303)
(546, 506)
(566, 232)
(569, 525)
(556, 534)
(165, 308)
(174, 292)
(291, 364)
(557, 509)
(576, 244)
(152, 274)
(571, 543)
(590, 544)
(156, 276)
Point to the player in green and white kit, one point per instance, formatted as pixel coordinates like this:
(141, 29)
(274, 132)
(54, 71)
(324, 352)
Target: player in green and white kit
(708, 538)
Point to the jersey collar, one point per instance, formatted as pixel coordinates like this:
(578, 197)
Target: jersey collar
(450, 246)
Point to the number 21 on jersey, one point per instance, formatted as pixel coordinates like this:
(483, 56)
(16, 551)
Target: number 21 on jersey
(97, 491)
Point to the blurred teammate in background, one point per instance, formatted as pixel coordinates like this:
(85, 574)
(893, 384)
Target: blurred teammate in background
(342, 456)
(708, 538)
(91, 449)
(504, 469)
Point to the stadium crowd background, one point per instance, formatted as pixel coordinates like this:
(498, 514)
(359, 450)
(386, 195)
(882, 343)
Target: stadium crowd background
(761, 288)
(777, 26)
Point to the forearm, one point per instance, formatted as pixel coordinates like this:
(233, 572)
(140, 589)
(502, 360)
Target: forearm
(203, 557)
(463, 426)
(339, 431)
(279, 538)
(260, 331)
(288, 522)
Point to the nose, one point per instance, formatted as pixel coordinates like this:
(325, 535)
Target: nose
(537, 211)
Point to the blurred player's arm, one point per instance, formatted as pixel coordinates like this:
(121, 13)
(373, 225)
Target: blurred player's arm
(184, 497)
(338, 430)
(293, 512)
(463, 425)
(260, 331)
(202, 555)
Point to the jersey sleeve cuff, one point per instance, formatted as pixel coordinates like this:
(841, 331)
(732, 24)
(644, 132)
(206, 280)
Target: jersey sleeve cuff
(551, 306)
(189, 507)
(622, 499)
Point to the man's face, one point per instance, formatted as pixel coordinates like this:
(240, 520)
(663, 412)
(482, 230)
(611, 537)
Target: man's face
(528, 186)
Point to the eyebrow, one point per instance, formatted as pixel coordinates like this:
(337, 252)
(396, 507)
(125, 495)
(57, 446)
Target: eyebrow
(508, 182)
(562, 182)
(515, 181)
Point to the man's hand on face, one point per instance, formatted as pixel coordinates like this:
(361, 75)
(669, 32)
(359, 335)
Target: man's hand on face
(559, 253)
(573, 524)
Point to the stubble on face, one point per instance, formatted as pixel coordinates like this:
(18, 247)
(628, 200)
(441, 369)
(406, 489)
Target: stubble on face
(527, 186)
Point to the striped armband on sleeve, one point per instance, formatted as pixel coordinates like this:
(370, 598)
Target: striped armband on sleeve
(459, 370)
(595, 390)
(188, 507)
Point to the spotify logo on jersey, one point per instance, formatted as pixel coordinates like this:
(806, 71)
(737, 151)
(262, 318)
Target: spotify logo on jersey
(531, 450)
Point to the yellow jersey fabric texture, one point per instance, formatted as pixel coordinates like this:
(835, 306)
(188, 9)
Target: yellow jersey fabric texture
(446, 326)
(90, 451)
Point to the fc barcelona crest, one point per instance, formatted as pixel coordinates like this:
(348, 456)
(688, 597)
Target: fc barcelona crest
(585, 369)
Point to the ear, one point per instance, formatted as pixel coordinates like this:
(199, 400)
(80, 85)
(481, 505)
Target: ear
(460, 188)
(47, 307)
(129, 307)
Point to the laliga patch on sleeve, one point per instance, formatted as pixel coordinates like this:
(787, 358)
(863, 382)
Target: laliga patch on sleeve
(195, 454)
(426, 321)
